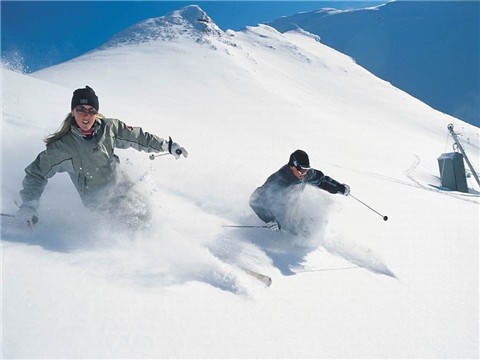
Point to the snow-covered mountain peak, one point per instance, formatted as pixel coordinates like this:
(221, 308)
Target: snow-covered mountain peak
(194, 17)
(189, 22)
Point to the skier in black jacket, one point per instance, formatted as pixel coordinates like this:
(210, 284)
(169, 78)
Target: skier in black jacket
(273, 201)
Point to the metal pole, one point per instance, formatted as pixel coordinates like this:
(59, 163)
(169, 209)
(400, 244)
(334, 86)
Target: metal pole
(385, 218)
(474, 173)
(245, 226)
(153, 156)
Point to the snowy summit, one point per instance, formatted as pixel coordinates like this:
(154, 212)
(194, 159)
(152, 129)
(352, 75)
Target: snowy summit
(189, 22)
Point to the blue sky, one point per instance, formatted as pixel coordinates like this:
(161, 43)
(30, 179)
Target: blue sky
(45, 33)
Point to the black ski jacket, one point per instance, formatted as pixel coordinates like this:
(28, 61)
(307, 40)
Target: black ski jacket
(272, 200)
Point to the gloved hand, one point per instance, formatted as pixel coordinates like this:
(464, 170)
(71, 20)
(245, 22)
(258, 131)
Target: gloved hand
(346, 192)
(27, 216)
(175, 149)
(273, 226)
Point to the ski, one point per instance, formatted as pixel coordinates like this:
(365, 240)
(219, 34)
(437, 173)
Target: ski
(267, 280)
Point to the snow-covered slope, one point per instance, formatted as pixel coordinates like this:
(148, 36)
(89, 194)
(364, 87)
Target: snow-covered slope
(430, 49)
(80, 286)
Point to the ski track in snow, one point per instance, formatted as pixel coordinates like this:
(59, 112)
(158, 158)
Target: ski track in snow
(359, 255)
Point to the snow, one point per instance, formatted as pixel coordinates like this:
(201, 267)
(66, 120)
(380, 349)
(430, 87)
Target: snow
(81, 286)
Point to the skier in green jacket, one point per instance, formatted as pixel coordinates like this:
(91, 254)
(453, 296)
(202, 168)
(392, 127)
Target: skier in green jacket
(84, 148)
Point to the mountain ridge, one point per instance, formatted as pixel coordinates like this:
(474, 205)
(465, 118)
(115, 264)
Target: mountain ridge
(429, 49)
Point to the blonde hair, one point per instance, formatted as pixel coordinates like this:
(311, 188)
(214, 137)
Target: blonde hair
(65, 128)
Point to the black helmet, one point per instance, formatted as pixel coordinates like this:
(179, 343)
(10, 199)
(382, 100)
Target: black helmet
(299, 159)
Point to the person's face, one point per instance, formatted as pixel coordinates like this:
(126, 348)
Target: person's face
(299, 174)
(84, 116)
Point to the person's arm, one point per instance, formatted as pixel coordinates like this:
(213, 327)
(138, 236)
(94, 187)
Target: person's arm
(135, 137)
(319, 179)
(259, 206)
(46, 165)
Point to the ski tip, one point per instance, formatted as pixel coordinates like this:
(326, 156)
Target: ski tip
(267, 280)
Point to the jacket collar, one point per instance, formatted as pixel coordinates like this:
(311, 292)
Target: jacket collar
(78, 132)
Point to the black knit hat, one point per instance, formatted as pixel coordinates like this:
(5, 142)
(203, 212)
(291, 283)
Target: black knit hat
(85, 96)
(299, 159)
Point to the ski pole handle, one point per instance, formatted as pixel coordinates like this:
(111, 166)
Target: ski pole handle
(170, 145)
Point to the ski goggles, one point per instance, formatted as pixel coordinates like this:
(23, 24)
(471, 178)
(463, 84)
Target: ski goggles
(301, 169)
(83, 110)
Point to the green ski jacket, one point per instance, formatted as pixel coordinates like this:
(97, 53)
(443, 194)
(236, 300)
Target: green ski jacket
(90, 162)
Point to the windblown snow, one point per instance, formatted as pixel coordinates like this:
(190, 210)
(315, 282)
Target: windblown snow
(82, 286)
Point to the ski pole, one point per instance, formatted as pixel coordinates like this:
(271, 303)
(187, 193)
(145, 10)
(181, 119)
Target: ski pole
(153, 156)
(34, 218)
(385, 218)
(245, 226)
